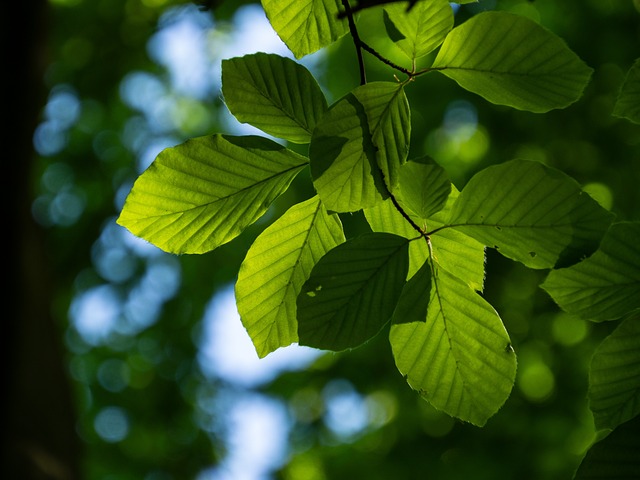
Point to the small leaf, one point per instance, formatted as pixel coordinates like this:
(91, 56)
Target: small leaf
(614, 378)
(277, 264)
(424, 187)
(615, 457)
(605, 286)
(306, 26)
(511, 60)
(414, 300)
(352, 291)
(422, 28)
(203, 193)
(359, 144)
(628, 101)
(274, 94)
(533, 214)
(458, 359)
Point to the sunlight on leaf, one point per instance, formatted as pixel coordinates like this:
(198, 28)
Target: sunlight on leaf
(274, 94)
(203, 193)
(513, 61)
(460, 360)
(277, 264)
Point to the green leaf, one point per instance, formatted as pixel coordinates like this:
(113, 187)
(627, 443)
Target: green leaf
(306, 26)
(531, 213)
(359, 144)
(275, 268)
(203, 193)
(414, 300)
(422, 28)
(605, 286)
(352, 291)
(614, 378)
(424, 187)
(274, 94)
(452, 250)
(615, 457)
(628, 101)
(460, 360)
(511, 60)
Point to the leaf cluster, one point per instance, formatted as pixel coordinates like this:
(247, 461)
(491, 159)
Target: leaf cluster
(420, 270)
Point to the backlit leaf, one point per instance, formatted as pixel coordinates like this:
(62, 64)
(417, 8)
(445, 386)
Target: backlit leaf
(422, 28)
(460, 360)
(424, 187)
(360, 143)
(274, 94)
(628, 101)
(203, 193)
(511, 60)
(352, 291)
(277, 264)
(605, 286)
(306, 26)
(531, 213)
(614, 378)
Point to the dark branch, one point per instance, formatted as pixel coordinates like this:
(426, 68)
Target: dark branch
(356, 40)
(362, 4)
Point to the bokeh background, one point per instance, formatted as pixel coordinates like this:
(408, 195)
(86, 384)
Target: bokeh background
(123, 362)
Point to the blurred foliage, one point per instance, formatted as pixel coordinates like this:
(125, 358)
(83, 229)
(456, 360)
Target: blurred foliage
(146, 409)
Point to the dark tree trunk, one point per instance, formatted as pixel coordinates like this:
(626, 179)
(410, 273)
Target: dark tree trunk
(38, 431)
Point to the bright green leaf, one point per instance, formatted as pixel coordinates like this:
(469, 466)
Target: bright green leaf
(352, 291)
(422, 28)
(531, 213)
(614, 378)
(360, 143)
(424, 187)
(511, 60)
(414, 300)
(605, 286)
(203, 193)
(460, 360)
(615, 457)
(277, 264)
(306, 26)
(628, 101)
(274, 94)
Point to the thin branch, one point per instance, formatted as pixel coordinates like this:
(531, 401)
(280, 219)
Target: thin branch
(385, 60)
(362, 4)
(356, 40)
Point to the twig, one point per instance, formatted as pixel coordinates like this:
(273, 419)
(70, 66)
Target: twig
(356, 41)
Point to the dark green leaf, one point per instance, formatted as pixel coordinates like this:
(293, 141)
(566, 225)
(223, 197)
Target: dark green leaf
(352, 291)
(605, 286)
(628, 101)
(414, 300)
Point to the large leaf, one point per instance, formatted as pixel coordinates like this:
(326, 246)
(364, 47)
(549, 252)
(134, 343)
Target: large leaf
(352, 291)
(605, 286)
(511, 60)
(277, 264)
(360, 143)
(531, 213)
(203, 193)
(628, 101)
(614, 378)
(274, 94)
(460, 360)
(420, 30)
(306, 26)
(615, 457)
(452, 250)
